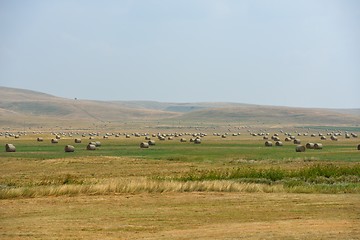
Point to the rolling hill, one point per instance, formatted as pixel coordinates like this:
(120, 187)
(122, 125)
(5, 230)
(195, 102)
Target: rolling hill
(19, 107)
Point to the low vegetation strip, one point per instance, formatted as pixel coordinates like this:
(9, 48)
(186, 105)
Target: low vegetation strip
(312, 179)
(136, 185)
(329, 174)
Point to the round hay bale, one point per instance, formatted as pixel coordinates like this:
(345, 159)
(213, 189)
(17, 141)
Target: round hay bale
(91, 147)
(183, 140)
(144, 145)
(275, 138)
(223, 136)
(323, 138)
(170, 138)
(40, 139)
(69, 148)
(17, 136)
(147, 138)
(359, 147)
(287, 139)
(278, 144)
(265, 137)
(197, 141)
(333, 138)
(151, 143)
(127, 136)
(54, 140)
(297, 141)
(300, 148)
(310, 145)
(98, 144)
(10, 147)
(77, 140)
(57, 137)
(318, 146)
(268, 144)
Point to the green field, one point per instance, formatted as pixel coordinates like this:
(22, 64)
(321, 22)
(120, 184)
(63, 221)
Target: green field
(239, 159)
(178, 188)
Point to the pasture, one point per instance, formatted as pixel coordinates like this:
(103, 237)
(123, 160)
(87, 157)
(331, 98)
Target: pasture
(231, 187)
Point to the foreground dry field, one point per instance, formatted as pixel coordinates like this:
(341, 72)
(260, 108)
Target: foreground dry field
(183, 216)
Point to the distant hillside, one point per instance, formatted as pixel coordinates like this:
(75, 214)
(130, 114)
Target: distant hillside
(19, 107)
(275, 115)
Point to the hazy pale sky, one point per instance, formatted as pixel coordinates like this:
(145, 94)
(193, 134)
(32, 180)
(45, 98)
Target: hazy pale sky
(303, 53)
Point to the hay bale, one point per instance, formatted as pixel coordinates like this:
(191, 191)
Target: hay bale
(10, 147)
(57, 137)
(275, 138)
(91, 147)
(268, 144)
(310, 145)
(197, 141)
(359, 147)
(98, 144)
(300, 148)
(183, 140)
(54, 140)
(77, 140)
(323, 138)
(69, 148)
(144, 145)
(40, 139)
(297, 141)
(151, 143)
(318, 146)
(278, 144)
(287, 139)
(333, 138)
(147, 138)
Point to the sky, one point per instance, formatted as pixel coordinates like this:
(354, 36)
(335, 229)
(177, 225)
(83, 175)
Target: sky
(300, 53)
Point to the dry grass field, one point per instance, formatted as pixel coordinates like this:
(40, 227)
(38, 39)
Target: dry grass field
(223, 188)
(196, 215)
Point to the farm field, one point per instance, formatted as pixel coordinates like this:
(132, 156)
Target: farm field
(231, 187)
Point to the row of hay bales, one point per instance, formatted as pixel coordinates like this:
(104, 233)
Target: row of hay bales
(289, 136)
(302, 148)
(68, 148)
(93, 145)
(152, 142)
